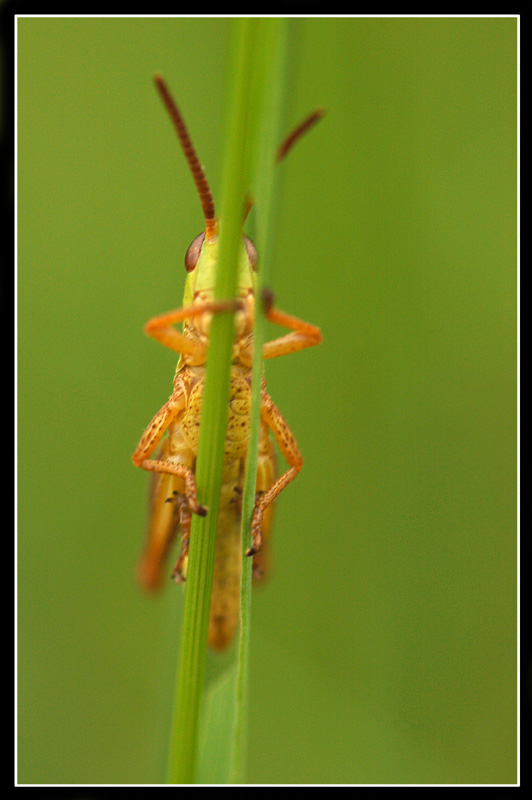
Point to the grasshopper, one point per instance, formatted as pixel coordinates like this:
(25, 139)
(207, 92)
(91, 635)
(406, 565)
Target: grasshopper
(173, 494)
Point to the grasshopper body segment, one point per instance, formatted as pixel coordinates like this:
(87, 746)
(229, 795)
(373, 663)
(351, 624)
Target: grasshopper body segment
(172, 458)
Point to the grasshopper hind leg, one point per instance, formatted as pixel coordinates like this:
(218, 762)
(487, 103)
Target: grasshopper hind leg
(164, 522)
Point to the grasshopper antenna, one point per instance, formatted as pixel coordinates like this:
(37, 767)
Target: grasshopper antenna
(287, 144)
(191, 156)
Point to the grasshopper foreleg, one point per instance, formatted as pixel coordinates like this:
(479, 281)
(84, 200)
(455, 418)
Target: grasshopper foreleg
(162, 327)
(303, 333)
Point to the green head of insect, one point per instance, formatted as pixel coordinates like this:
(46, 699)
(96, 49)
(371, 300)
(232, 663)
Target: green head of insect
(201, 261)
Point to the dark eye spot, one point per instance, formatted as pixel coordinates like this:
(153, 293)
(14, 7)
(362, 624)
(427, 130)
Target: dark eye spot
(193, 252)
(252, 252)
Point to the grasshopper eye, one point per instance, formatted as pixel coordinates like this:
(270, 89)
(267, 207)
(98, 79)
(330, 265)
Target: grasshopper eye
(252, 252)
(192, 255)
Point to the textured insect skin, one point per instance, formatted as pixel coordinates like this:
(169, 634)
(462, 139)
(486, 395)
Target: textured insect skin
(172, 460)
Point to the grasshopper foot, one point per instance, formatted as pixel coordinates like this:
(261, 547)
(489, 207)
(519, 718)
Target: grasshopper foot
(268, 299)
(196, 508)
(177, 577)
(256, 526)
(237, 499)
(181, 500)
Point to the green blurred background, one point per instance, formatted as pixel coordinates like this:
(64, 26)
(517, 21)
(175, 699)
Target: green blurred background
(384, 646)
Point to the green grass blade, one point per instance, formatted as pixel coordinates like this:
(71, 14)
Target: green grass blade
(217, 728)
(269, 85)
(191, 667)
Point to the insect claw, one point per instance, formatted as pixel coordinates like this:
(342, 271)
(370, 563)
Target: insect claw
(268, 299)
(255, 545)
(202, 511)
(237, 499)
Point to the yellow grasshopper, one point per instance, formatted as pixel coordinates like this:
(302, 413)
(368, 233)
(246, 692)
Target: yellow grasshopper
(173, 496)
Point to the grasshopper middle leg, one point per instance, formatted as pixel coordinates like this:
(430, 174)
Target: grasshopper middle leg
(288, 446)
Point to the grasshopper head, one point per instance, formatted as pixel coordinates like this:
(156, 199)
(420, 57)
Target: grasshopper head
(201, 262)
(202, 256)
